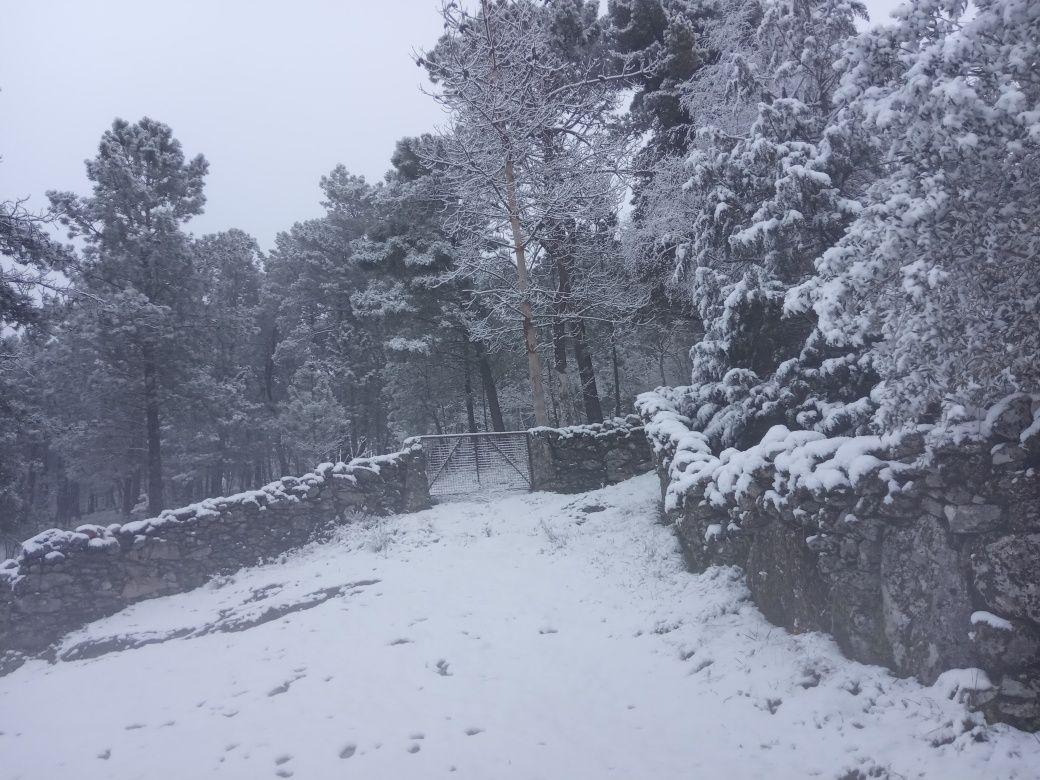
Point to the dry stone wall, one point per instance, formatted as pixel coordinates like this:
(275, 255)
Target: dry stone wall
(920, 551)
(586, 457)
(64, 579)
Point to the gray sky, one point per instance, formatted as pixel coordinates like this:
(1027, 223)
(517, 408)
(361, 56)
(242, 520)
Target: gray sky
(273, 92)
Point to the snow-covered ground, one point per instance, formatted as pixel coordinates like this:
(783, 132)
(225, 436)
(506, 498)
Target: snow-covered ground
(537, 636)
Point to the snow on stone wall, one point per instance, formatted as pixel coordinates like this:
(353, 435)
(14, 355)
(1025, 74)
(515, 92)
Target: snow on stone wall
(895, 544)
(587, 457)
(64, 579)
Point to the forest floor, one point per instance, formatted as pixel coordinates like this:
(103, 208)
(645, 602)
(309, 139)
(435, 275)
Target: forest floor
(534, 636)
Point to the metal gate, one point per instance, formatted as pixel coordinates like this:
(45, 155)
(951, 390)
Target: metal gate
(477, 463)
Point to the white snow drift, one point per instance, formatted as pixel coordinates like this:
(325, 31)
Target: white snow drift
(537, 636)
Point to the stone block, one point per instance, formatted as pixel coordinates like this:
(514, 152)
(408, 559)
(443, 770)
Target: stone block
(785, 581)
(925, 600)
(1012, 648)
(1007, 575)
(856, 617)
(1009, 454)
(1016, 700)
(973, 518)
(37, 602)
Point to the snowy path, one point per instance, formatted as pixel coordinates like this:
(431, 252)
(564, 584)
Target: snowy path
(532, 637)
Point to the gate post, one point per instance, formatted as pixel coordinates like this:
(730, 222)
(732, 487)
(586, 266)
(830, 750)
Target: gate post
(540, 460)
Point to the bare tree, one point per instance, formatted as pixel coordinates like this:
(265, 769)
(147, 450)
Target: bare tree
(524, 151)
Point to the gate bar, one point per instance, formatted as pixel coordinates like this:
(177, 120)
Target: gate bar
(478, 433)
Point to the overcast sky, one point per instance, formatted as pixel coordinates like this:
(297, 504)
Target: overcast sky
(273, 92)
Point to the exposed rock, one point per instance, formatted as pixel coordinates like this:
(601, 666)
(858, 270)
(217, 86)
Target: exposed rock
(1009, 649)
(925, 600)
(144, 587)
(1017, 701)
(1004, 454)
(784, 580)
(1007, 575)
(856, 616)
(973, 518)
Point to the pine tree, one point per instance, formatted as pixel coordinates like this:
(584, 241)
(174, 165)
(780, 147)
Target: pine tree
(138, 257)
(28, 255)
(313, 276)
(414, 298)
(220, 434)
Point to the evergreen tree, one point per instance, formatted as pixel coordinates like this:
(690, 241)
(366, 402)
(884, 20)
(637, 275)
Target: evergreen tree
(760, 203)
(27, 256)
(939, 275)
(138, 257)
(221, 435)
(424, 310)
(312, 280)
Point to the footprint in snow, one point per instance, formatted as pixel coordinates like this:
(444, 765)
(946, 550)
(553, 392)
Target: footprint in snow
(772, 705)
(700, 667)
(284, 759)
(413, 748)
(348, 751)
(285, 685)
(401, 641)
(547, 630)
(472, 732)
(442, 668)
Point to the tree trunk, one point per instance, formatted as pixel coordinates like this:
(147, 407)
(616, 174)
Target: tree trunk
(534, 366)
(283, 457)
(151, 407)
(470, 414)
(131, 490)
(586, 373)
(617, 372)
(490, 391)
(559, 332)
(30, 486)
(554, 406)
